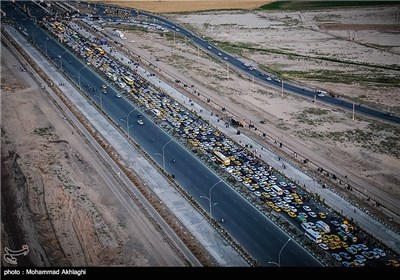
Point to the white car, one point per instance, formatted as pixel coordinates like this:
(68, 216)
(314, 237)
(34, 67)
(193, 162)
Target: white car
(379, 251)
(323, 246)
(312, 214)
(257, 193)
(307, 208)
(119, 95)
(140, 122)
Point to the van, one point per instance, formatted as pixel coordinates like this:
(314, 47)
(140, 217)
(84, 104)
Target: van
(344, 228)
(323, 226)
(305, 225)
(352, 237)
(342, 235)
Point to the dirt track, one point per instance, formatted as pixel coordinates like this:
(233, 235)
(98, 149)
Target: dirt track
(57, 196)
(359, 152)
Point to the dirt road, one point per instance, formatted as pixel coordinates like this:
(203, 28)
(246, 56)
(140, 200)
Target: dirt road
(57, 196)
(360, 152)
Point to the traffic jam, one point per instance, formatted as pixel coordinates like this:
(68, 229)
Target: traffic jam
(327, 230)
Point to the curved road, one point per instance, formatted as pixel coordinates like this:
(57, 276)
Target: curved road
(261, 238)
(257, 74)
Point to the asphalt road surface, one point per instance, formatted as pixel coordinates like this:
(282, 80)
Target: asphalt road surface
(257, 74)
(258, 235)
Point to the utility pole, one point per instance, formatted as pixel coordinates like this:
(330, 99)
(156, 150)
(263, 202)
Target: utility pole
(315, 101)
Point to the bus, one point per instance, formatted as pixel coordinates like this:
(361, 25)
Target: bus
(314, 236)
(127, 80)
(221, 158)
(277, 189)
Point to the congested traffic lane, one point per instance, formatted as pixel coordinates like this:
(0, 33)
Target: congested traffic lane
(261, 238)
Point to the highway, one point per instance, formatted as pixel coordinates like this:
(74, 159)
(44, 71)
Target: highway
(261, 238)
(289, 87)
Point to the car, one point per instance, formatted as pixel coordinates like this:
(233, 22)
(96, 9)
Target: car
(292, 214)
(307, 208)
(379, 251)
(351, 250)
(360, 257)
(344, 255)
(312, 214)
(119, 95)
(303, 214)
(225, 58)
(361, 247)
(257, 193)
(358, 262)
(346, 264)
(276, 208)
(209, 47)
(140, 122)
(323, 246)
(337, 257)
(335, 223)
(322, 215)
(393, 263)
(270, 203)
(219, 54)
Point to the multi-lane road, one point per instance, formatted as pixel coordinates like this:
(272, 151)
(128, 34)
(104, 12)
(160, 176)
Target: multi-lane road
(261, 76)
(261, 238)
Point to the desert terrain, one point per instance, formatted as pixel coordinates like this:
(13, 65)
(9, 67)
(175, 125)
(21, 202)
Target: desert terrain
(352, 53)
(57, 195)
(167, 6)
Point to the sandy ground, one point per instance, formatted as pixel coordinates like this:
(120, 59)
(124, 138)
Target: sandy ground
(168, 6)
(364, 153)
(56, 194)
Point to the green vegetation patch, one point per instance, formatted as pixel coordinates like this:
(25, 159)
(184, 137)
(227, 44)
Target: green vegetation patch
(313, 116)
(43, 131)
(238, 48)
(309, 5)
(377, 137)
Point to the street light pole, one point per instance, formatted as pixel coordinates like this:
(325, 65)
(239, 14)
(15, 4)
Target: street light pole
(280, 252)
(209, 197)
(45, 45)
(61, 60)
(163, 152)
(127, 121)
(101, 101)
(79, 75)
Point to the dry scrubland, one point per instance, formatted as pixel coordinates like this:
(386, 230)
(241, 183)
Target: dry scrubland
(350, 52)
(57, 195)
(168, 6)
